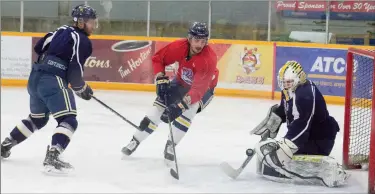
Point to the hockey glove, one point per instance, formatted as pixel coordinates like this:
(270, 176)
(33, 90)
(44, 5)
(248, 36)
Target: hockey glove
(173, 111)
(162, 85)
(270, 124)
(85, 92)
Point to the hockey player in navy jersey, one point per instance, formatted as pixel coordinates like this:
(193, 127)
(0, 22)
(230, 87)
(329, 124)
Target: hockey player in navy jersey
(62, 54)
(311, 132)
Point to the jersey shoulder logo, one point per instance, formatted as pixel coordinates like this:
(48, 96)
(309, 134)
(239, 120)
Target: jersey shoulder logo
(187, 75)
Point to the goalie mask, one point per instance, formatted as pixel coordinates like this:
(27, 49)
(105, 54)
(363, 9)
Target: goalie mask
(291, 75)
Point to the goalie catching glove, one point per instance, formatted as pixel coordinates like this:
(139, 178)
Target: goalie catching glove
(271, 123)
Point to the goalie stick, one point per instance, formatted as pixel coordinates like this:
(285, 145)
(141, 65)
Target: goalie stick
(234, 173)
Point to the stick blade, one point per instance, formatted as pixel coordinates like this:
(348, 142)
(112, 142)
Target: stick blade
(174, 174)
(229, 170)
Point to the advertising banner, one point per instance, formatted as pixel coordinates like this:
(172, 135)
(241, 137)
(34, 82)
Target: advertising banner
(339, 10)
(127, 61)
(248, 67)
(15, 57)
(321, 6)
(325, 67)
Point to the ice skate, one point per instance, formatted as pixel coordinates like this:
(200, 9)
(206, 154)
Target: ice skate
(53, 164)
(6, 145)
(168, 153)
(131, 147)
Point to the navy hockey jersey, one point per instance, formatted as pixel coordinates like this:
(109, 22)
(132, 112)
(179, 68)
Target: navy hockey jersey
(63, 53)
(305, 112)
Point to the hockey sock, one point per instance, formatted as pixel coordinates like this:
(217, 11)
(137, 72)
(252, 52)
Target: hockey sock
(148, 128)
(179, 128)
(27, 127)
(64, 132)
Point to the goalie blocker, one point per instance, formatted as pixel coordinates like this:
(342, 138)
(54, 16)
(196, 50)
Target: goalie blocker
(311, 134)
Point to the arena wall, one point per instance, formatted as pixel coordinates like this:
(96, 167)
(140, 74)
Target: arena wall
(247, 68)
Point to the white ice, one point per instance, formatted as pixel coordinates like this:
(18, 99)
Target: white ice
(220, 133)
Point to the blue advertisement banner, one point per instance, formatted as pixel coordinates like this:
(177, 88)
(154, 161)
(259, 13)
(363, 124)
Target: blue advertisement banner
(325, 67)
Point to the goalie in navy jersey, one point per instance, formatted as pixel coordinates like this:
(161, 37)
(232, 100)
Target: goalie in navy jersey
(311, 133)
(62, 54)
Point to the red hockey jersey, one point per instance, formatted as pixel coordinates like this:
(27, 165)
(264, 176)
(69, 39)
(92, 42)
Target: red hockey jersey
(199, 73)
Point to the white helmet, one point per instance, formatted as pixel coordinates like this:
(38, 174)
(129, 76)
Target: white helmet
(291, 75)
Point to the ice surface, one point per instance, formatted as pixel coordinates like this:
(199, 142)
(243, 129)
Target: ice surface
(220, 133)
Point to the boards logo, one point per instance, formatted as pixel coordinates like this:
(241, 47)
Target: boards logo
(92, 62)
(328, 65)
(250, 60)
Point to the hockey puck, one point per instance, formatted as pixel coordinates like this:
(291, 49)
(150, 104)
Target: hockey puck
(249, 152)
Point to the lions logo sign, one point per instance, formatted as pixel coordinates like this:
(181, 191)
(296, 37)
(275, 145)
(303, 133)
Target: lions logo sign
(250, 60)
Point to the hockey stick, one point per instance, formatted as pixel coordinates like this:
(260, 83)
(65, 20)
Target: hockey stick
(174, 172)
(234, 173)
(118, 114)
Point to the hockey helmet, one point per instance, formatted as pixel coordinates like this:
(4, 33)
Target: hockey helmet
(198, 30)
(291, 75)
(84, 13)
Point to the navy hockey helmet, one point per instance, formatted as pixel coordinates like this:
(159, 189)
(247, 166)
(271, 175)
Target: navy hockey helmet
(198, 30)
(83, 11)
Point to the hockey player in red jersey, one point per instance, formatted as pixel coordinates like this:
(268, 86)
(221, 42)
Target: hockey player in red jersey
(184, 96)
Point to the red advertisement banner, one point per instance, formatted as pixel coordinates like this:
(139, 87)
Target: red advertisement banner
(335, 6)
(127, 61)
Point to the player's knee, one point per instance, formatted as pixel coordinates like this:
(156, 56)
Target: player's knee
(39, 122)
(207, 98)
(69, 120)
(182, 123)
(159, 104)
(67, 125)
(147, 125)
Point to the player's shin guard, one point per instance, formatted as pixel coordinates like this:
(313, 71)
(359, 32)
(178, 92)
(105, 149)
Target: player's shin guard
(64, 132)
(147, 127)
(60, 140)
(22, 131)
(179, 128)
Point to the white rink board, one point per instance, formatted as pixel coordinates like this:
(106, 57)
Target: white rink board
(16, 57)
(220, 133)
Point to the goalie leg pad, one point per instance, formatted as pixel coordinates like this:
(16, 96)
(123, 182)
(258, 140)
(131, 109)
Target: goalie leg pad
(307, 169)
(274, 153)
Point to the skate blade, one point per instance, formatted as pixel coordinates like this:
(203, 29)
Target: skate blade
(51, 170)
(168, 163)
(125, 156)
